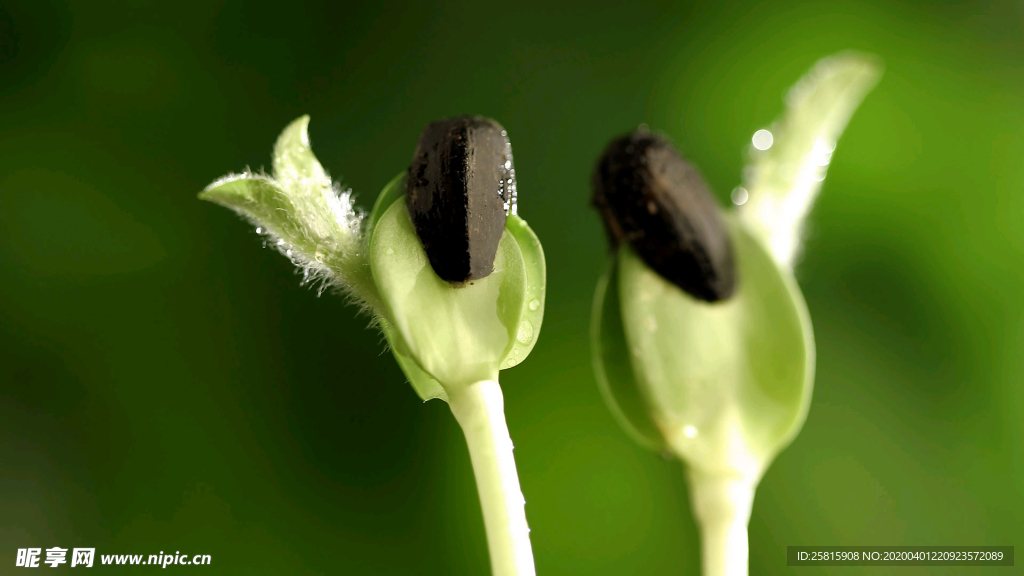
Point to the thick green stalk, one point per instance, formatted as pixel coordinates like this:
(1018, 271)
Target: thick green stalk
(722, 504)
(479, 409)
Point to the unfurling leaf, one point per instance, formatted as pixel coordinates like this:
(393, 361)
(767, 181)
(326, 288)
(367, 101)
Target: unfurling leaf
(783, 180)
(307, 217)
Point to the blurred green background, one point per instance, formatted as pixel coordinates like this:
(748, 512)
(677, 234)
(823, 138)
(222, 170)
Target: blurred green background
(166, 385)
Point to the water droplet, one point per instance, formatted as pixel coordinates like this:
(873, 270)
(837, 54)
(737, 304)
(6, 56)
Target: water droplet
(288, 252)
(651, 324)
(259, 230)
(762, 139)
(740, 196)
(822, 152)
(534, 304)
(525, 333)
(508, 164)
(512, 362)
(280, 242)
(516, 351)
(690, 431)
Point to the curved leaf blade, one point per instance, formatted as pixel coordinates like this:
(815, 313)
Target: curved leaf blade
(613, 366)
(295, 166)
(783, 180)
(394, 190)
(536, 286)
(424, 384)
(309, 219)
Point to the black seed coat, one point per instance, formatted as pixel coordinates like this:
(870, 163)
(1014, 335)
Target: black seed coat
(460, 188)
(653, 199)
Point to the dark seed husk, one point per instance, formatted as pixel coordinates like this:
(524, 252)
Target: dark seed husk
(460, 189)
(653, 199)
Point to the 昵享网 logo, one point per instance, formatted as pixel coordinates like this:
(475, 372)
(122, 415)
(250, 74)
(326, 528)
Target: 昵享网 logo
(85, 557)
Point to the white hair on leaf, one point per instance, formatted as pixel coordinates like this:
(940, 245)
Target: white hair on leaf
(305, 215)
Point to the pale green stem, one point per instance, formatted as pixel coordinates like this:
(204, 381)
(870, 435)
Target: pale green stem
(722, 504)
(480, 411)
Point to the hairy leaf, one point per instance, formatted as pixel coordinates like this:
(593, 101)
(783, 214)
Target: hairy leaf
(307, 216)
(783, 180)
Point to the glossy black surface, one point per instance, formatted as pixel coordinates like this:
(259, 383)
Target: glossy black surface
(458, 193)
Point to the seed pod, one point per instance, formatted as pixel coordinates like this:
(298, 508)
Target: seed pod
(460, 189)
(652, 198)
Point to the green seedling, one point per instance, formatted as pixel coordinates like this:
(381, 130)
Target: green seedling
(450, 336)
(701, 340)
